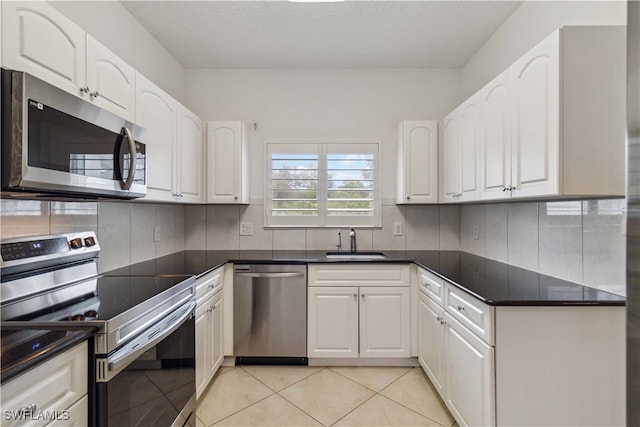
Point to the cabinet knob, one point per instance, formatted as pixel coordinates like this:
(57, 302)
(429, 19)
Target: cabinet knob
(408, 197)
(355, 295)
(439, 319)
(84, 89)
(235, 197)
(362, 296)
(95, 94)
(460, 308)
(427, 285)
(504, 188)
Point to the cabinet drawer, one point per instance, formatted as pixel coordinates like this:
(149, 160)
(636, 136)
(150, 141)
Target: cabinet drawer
(363, 274)
(55, 385)
(471, 312)
(431, 285)
(208, 285)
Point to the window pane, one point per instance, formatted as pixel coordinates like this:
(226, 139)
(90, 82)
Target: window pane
(294, 184)
(350, 184)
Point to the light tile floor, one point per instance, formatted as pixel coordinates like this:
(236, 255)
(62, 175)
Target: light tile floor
(314, 396)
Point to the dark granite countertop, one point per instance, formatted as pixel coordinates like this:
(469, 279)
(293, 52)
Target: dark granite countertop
(491, 281)
(23, 347)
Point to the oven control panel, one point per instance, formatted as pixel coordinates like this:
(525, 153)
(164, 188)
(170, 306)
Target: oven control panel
(47, 246)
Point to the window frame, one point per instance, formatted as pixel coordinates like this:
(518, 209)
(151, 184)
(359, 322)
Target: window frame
(322, 147)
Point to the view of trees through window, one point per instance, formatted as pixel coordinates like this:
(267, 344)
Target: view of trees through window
(342, 184)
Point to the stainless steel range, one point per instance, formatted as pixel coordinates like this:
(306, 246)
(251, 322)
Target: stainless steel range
(144, 348)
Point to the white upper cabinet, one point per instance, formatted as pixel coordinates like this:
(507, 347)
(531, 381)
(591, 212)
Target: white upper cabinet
(111, 82)
(417, 180)
(535, 125)
(470, 133)
(227, 163)
(552, 125)
(156, 111)
(495, 153)
(43, 42)
(460, 159)
(450, 159)
(189, 157)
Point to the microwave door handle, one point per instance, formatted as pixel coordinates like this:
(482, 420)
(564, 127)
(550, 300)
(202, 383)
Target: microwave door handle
(126, 185)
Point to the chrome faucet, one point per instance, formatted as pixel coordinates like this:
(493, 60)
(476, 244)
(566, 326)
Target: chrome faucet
(352, 235)
(339, 245)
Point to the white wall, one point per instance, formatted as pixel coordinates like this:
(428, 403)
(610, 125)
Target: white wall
(303, 103)
(113, 26)
(528, 25)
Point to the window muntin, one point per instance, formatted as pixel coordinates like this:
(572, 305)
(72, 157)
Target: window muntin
(322, 184)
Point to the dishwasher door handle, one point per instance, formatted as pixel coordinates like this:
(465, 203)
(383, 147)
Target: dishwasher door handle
(274, 275)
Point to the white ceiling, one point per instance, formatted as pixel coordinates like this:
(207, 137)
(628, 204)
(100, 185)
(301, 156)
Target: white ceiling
(351, 34)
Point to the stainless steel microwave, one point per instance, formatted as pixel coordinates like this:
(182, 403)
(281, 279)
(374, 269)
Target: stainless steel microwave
(58, 144)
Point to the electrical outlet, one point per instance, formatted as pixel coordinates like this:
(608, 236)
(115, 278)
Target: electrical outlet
(397, 229)
(156, 233)
(246, 229)
(475, 232)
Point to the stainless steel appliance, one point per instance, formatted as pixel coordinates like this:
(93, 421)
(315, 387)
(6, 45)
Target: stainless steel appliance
(54, 142)
(633, 213)
(270, 313)
(143, 354)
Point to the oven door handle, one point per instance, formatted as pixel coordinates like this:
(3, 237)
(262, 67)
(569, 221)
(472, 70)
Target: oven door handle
(121, 358)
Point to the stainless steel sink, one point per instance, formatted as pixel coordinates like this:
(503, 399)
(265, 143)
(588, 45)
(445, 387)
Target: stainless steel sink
(356, 255)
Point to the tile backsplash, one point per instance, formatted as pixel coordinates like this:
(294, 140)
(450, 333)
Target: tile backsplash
(126, 230)
(581, 241)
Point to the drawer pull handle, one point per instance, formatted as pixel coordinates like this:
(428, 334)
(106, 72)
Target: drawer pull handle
(427, 285)
(439, 319)
(460, 308)
(211, 286)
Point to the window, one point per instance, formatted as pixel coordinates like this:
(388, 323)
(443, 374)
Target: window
(323, 184)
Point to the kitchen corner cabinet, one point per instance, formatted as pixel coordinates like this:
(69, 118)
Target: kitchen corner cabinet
(417, 180)
(209, 330)
(358, 311)
(58, 384)
(555, 120)
(227, 162)
(462, 130)
(43, 42)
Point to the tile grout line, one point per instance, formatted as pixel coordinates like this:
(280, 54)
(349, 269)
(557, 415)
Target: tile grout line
(347, 414)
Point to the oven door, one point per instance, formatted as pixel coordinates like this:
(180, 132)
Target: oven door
(55, 142)
(150, 384)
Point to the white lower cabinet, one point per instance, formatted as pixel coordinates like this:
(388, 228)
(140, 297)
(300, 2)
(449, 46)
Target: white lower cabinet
(431, 340)
(521, 365)
(209, 328)
(57, 387)
(459, 364)
(469, 390)
(358, 321)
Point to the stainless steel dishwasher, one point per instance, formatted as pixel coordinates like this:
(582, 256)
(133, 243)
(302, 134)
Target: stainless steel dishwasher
(270, 313)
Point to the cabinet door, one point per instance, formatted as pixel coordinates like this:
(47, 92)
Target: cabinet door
(470, 134)
(55, 384)
(202, 346)
(189, 156)
(42, 41)
(418, 162)
(495, 156)
(332, 322)
(451, 159)
(156, 112)
(385, 322)
(226, 155)
(469, 376)
(536, 126)
(110, 80)
(78, 415)
(216, 332)
(431, 339)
